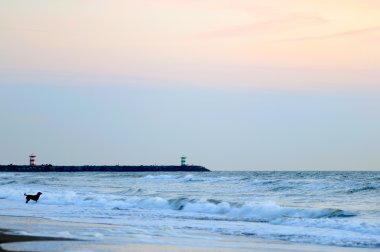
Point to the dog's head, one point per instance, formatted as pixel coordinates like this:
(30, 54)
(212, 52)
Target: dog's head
(39, 193)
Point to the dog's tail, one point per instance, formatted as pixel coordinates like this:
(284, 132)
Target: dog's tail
(24, 194)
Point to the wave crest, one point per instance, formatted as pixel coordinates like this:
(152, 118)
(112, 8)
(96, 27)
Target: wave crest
(266, 211)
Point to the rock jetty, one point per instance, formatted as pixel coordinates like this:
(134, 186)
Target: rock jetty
(103, 168)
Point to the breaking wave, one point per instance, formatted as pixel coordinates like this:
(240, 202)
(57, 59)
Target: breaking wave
(242, 211)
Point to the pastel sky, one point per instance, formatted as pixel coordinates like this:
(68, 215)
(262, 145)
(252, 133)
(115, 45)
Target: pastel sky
(234, 85)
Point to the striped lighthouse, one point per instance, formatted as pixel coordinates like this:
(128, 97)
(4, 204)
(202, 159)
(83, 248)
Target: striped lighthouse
(32, 159)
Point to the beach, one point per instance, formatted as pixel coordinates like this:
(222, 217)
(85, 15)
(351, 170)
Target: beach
(6, 236)
(19, 240)
(215, 211)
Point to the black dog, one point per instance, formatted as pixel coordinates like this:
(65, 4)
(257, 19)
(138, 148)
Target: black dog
(32, 197)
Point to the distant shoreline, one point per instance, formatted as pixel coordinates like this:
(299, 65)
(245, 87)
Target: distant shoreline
(103, 168)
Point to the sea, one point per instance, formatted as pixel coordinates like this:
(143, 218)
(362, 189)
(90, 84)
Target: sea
(340, 209)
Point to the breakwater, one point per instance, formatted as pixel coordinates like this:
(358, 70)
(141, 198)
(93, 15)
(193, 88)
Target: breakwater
(103, 168)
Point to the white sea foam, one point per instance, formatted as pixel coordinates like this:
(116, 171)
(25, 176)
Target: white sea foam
(161, 177)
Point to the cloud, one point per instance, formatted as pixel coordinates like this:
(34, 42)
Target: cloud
(356, 32)
(274, 24)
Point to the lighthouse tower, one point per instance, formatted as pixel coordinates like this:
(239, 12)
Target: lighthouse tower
(32, 159)
(183, 161)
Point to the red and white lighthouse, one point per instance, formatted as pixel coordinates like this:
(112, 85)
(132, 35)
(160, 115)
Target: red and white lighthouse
(32, 159)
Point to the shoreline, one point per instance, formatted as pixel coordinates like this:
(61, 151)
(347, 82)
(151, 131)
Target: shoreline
(10, 242)
(5, 237)
(42, 243)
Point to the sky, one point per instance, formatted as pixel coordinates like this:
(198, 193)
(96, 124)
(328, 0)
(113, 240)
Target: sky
(233, 85)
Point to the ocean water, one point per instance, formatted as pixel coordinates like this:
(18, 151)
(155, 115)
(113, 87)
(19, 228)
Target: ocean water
(322, 208)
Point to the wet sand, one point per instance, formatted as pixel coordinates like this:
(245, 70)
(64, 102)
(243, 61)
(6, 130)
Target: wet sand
(14, 242)
(15, 237)
(6, 237)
